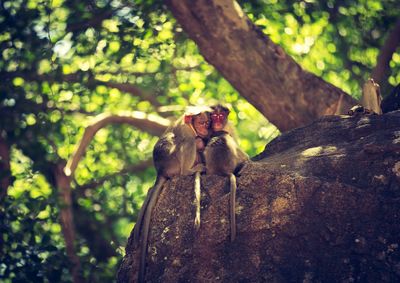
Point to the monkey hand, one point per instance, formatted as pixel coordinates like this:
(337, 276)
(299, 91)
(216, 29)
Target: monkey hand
(199, 167)
(200, 144)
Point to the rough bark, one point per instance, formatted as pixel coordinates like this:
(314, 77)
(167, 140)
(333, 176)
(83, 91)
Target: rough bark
(320, 204)
(259, 69)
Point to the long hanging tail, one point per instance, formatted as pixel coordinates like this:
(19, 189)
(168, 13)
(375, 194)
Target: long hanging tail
(146, 226)
(232, 181)
(138, 226)
(197, 194)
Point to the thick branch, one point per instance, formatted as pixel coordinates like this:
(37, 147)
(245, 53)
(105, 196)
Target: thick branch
(321, 204)
(151, 124)
(67, 221)
(259, 69)
(382, 68)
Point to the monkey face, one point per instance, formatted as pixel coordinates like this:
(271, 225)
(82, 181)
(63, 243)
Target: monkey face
(201, 124)
(218, 119)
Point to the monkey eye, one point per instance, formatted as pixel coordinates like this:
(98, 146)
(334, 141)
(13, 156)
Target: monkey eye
(219, 116)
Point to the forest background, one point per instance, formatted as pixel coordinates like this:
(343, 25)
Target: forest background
(115, 73)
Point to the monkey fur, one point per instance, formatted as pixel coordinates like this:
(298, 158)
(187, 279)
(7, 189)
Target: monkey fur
(174, 154)
(371, 96)
(223, 156)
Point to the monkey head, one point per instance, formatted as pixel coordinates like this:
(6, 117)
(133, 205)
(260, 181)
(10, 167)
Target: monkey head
(198, 118)
(201, 124)
(219, 117)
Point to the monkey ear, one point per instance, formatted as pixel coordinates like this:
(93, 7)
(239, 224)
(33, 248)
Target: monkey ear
(187, 119)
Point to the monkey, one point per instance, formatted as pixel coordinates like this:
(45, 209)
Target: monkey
(223, 156)
(371, 96)
(176, 153)
(370, 100)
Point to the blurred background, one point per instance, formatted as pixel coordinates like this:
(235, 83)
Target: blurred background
(67, 64)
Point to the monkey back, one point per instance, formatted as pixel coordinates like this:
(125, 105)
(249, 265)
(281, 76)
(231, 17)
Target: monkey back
(221, 152)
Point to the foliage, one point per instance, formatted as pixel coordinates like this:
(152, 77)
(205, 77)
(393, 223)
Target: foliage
(337, 40)
(66, 61)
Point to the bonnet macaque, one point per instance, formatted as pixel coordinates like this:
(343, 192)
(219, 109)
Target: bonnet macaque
(370, 100)
(371, 97)
(177, 152)
(223, 156)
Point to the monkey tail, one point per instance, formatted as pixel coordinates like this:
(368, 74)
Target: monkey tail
(233, 186)
(138, 226)
(146, 225)
(197, 194)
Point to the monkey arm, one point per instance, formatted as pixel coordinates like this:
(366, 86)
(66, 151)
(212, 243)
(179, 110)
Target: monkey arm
(200, 144)
(242, 156)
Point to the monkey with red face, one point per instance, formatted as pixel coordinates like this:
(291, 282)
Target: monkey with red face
(177, 152)
(223, 155)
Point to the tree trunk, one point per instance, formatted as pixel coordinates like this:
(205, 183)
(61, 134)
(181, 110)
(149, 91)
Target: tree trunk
(382, 71)
(320, 204)
(259, 69)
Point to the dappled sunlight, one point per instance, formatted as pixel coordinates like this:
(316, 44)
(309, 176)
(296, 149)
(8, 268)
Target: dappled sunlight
(319, 151)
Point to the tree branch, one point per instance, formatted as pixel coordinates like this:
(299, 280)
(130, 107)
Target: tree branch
(67, 220)
(152, 124)
(382, 69)
(259, 69)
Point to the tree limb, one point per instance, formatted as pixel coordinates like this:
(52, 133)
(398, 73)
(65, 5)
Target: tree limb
(67, 220)
(382, 68)
(152, 124)
(259, 69)
(328, 191)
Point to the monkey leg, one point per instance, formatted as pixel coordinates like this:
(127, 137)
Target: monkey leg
(197, 194)
(232, 205)
(146, 227)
